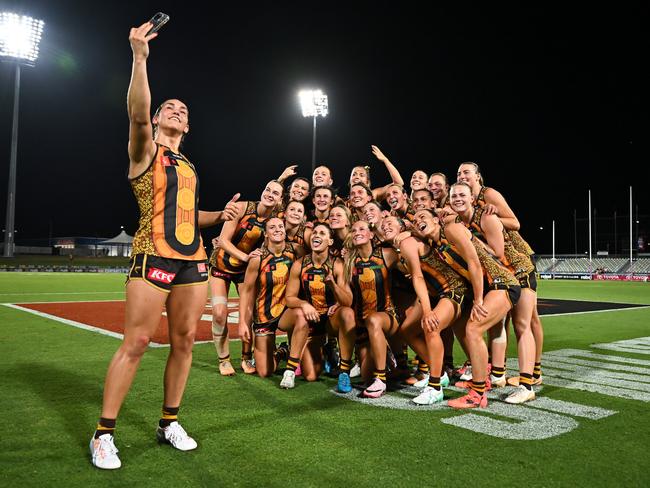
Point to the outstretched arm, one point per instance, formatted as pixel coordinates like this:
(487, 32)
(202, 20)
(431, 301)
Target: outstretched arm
(208, 219)
(288, 172)
(396, 177)
(141, 145)
(228, 231)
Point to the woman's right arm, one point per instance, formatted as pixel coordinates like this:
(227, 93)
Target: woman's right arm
(228, 230)
(247, 295)
(379, 194)
(141, 145)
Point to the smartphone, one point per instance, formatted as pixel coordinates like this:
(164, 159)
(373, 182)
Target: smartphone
(158, 21)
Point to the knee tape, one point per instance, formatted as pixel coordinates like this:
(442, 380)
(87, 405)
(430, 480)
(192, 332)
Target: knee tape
(218, 300)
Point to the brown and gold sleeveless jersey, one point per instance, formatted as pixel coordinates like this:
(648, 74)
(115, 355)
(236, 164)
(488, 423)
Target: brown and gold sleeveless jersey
(249, 235)
(272, 282)
(312, 283)
(168, 196)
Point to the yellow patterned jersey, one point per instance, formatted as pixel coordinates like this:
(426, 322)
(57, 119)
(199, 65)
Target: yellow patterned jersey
(249, 235)
(312, 283)
(168, 197)
(440, 277)
(371, 285)
(272, 280)
(493, 271)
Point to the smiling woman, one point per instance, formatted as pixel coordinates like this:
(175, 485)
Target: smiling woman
(168, 266)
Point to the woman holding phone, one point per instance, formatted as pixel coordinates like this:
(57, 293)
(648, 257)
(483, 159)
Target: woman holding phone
(168, 266)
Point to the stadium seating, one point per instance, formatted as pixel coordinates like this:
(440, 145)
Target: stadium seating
(583, 265)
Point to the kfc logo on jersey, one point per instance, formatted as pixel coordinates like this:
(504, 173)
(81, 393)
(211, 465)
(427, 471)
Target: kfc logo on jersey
(160, 275)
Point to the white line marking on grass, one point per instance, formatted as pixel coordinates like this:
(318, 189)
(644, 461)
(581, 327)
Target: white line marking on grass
(61, 293)
(636, 346)
(75, 324)
(533, 425)
(30, 302)
(595, 311)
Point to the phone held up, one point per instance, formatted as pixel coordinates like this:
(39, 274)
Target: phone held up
(158, 21)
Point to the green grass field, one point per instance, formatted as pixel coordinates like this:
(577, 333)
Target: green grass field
(251, 433)
(64, 260)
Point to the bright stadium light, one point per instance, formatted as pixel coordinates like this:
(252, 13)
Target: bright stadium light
(20, 36)
(313, 103)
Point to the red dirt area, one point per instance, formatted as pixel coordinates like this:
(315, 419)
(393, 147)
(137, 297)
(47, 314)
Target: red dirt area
(110, 316)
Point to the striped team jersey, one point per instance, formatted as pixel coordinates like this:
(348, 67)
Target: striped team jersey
(167, 195)
(371, 285)
(312, 283)
(493, 271)
(406, 215)
(249, 235)
(515, 237)
(298, 238)
(518, 263)
(440, 277)
(272, 284)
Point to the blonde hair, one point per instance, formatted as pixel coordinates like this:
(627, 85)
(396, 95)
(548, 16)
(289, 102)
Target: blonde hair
(352, 253)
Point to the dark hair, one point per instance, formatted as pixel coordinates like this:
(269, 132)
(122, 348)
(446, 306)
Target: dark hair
(301, 178)
(295, 201)
(376, 204)
(366, 168)
(287, 196)
(365, 187)
(324, 224)
(157, 113)
(431, 211)
(423, 189)
(331, 189)
(267, 220)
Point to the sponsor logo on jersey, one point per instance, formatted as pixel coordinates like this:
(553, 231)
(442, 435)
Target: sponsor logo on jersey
(201, 267)
(160, 275)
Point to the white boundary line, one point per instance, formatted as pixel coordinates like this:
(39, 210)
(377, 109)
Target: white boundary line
(91, 328)
(207, 318)
(63, 301)
(595, 311)
(68, 322)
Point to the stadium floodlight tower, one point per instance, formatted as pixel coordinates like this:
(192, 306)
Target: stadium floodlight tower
(20, 36)
(313, 103)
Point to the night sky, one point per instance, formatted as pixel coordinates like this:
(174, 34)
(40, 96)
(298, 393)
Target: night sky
(540, 97)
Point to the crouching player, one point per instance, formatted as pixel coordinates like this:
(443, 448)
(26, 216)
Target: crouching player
(263, 292)
(320, 302)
